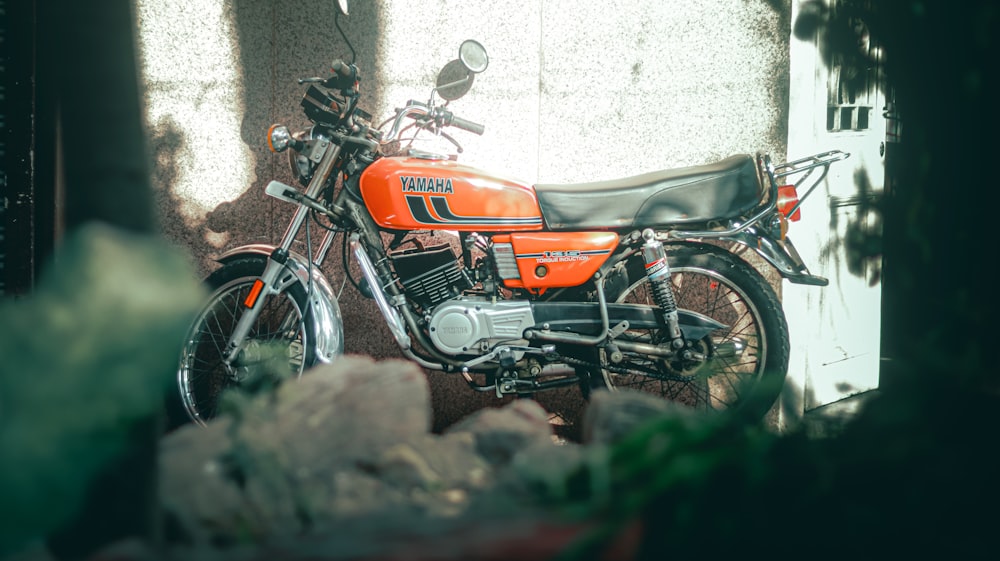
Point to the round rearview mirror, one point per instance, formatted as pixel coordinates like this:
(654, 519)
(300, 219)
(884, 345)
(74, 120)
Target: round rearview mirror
(342, 6)
(473, 56)
(454, 80)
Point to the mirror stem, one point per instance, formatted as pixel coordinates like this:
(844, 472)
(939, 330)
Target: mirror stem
(336, 22)
(450, 85)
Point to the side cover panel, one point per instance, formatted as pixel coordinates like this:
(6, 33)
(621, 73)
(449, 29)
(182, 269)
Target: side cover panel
(552, 260)
(411, 193)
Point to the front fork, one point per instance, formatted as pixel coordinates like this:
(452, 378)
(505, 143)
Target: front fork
(266, 284)
(658, 275)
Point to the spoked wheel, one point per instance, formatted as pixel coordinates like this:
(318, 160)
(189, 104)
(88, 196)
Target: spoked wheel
(280, 343)
(741, 366)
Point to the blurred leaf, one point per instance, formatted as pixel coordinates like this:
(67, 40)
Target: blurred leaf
(90, 352)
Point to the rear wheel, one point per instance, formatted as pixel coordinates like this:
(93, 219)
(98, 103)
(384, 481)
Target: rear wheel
(740, 367)
(280, 344)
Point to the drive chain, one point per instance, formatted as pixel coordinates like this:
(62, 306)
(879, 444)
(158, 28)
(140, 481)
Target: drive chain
(576, 362)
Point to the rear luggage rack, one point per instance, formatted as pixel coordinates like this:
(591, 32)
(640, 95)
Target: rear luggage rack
(805, 166)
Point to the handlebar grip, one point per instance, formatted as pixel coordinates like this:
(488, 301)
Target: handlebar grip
(344, 75)
(461, 123)
(341, 68)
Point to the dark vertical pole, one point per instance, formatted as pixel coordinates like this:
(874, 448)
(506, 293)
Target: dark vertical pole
(90, 54)
(938, 220)
(46, 160)
(18, 185)
(104, 155)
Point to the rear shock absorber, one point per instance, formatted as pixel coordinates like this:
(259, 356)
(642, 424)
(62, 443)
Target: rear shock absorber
(658, 274)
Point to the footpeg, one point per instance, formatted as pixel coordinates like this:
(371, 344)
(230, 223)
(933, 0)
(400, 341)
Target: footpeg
(811, 280)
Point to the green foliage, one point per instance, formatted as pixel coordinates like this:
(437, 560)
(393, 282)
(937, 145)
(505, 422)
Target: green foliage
(89, 353)
(908, 476)
(937, 60)
(682, 465)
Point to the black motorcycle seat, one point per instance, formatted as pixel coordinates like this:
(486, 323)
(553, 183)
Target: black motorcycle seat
(688, 195)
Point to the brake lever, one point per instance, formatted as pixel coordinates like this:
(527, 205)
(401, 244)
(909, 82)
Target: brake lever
(448, 137)
(433, 125)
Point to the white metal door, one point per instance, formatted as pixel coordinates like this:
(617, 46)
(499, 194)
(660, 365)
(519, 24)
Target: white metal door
(835, 330)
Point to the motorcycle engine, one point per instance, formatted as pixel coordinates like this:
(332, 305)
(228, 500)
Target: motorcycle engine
(430, 275)
(458, 323)
(475, 325)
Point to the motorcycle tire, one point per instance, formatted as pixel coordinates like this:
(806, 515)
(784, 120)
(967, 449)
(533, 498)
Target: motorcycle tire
(281, 344)
(745, 364)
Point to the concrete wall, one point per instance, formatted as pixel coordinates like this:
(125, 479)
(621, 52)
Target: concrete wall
(575, 91)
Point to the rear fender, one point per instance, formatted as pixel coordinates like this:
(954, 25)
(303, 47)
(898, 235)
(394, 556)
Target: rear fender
(328, 325)
(779, 254)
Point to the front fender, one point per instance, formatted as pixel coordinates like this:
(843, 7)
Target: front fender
(328, 324)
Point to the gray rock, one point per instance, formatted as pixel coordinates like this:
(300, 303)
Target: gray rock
(278, 464)
(351, 443)
(435, 463)
(610, 416)
(193, 488)
(541, 472)
(500, 433)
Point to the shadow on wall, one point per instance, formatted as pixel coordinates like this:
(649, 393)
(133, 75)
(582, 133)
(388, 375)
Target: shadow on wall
(779, 92)
(860, 246)
(166, 146)
(278, 44)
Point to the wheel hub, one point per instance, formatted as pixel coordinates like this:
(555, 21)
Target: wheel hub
(692, 360)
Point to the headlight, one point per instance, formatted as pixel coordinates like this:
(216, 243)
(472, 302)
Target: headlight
(299, 160)
(278, 138)
(301, 166)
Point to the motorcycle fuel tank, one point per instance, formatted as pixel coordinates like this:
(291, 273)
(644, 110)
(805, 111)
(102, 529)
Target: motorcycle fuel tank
(407, 193)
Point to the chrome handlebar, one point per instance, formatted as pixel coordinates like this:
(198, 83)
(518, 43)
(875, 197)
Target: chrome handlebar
(440, 115)
(412, 109)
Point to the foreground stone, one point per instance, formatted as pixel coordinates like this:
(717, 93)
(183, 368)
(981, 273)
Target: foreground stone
(347, 440)
(341, 464)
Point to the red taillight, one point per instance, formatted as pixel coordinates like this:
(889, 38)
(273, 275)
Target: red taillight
(787, 199)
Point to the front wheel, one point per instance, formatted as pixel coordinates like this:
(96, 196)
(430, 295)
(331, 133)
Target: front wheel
(280, 344)
(739, 367)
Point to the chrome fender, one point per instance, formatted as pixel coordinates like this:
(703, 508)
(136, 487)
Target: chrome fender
(782, 255)
(328, 325)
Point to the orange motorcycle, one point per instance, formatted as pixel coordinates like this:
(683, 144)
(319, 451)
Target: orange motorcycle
(629, 283)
